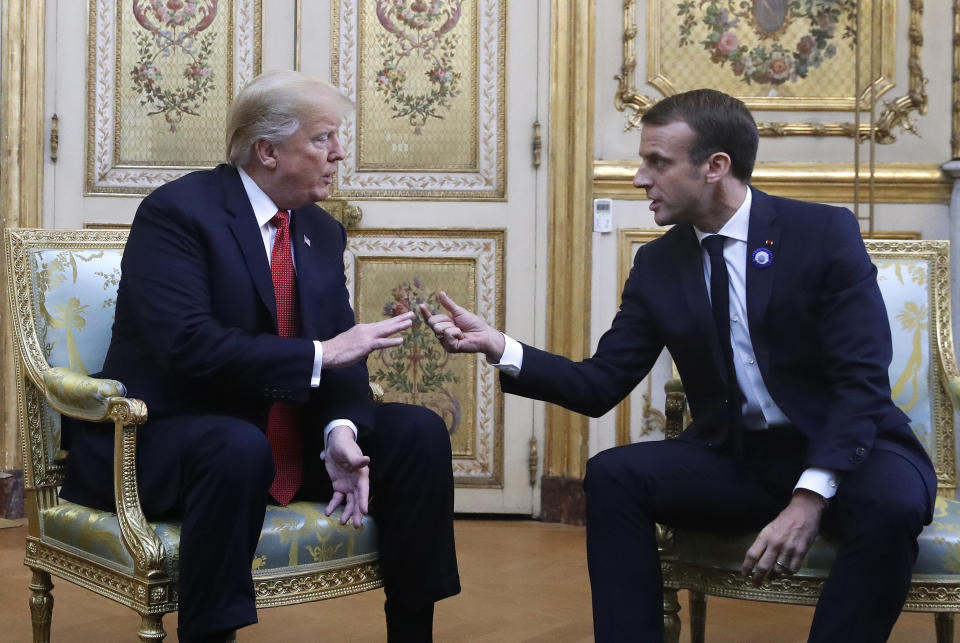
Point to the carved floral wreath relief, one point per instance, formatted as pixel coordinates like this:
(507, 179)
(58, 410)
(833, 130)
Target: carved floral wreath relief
(172, 29)
(418, 44)
(418, 371)
(778, 61)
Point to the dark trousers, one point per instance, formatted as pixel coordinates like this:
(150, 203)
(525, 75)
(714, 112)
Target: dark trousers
(214, 472)
(877, 514)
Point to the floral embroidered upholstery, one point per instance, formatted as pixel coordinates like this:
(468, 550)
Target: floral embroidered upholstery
(75, 295)
(296, 535)
(300, 534)
(62, 299)
(914, 278)
(906, 293)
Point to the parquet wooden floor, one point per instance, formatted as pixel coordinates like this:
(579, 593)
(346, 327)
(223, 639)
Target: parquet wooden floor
(522, 581)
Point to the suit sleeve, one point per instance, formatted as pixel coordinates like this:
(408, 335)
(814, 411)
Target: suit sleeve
(856, 346)
(166, 282)
(624, 356)
(344, 393)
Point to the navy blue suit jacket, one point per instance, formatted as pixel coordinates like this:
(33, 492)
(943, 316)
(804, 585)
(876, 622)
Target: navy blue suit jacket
(817, 322)
(195, 329)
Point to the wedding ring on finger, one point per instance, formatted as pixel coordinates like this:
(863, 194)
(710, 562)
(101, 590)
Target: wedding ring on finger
(783, 568)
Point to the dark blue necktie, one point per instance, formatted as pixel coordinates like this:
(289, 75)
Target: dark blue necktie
(720, 303)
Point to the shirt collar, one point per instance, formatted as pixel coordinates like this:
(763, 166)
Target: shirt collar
(264, 209)
(738, 226)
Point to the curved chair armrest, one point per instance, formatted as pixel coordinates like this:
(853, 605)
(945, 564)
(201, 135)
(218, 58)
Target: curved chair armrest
(103, 400)
(80, 396)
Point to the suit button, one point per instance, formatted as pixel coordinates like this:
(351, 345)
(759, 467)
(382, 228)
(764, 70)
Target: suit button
(861, 451)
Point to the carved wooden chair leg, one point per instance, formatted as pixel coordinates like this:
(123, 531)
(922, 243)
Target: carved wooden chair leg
(698, 617)
(671, 620)
(944, 625)
(151, 628)
(41, 605)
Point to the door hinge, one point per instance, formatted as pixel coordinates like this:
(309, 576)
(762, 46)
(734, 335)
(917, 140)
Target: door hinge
(532, 461)
(54, 138)
(537, 144)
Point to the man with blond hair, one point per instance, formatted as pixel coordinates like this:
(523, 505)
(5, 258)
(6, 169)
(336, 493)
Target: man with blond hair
(233, 324)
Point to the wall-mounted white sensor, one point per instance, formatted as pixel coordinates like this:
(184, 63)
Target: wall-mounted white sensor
(602, 215)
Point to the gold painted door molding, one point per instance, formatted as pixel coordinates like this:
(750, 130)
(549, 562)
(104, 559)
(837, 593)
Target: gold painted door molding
(570, 153)
(429, 209)
(21, 177)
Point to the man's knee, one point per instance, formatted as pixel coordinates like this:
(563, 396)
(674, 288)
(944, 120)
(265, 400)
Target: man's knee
(888, 513)
(420, 429)
(607, 471)
(234, 447)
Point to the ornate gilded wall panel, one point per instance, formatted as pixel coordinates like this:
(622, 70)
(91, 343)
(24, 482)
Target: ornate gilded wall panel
(648, 422)
(160, 78)
(774, 54)
(428, 81)
(390, 272)
(779, 55)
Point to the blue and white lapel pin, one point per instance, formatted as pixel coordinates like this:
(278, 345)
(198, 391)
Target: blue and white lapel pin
(306, 240)
(763, 257)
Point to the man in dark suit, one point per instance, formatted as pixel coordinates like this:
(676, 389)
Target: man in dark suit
(233, 324)
(771, 311)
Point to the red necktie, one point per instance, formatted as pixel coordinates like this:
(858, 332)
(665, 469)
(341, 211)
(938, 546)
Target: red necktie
(283, 428)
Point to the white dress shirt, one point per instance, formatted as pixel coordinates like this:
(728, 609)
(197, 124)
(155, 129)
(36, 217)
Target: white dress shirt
(759, 411)
(264, 209)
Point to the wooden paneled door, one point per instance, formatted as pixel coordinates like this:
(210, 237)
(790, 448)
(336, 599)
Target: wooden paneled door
(102, 89)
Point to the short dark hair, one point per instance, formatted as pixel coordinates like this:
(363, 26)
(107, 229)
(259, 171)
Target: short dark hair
(720, 123)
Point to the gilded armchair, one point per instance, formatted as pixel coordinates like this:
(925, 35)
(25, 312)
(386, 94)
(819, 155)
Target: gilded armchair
(914, 277)
(62, 289)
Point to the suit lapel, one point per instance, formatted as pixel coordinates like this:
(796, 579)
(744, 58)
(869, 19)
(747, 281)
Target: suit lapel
(698, 300)
(306, 268)
(247, 233)
(764, 233)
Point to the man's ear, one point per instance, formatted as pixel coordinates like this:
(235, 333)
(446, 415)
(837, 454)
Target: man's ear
(718, 166)
(265, 153)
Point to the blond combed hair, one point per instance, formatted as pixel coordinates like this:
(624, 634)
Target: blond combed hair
(273, 106)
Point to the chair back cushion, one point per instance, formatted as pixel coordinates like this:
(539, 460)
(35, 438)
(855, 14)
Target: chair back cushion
(62, 297)
(75, 294)
(914, 279)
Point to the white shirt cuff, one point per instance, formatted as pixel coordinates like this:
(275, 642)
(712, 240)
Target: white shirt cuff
(512, 359)
(817, 480)
(317, 366)
(330, 427)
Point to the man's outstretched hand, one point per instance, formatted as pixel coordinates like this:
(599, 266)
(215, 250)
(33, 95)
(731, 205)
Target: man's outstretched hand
(359, 341)
(462, 331)
(350, 475)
